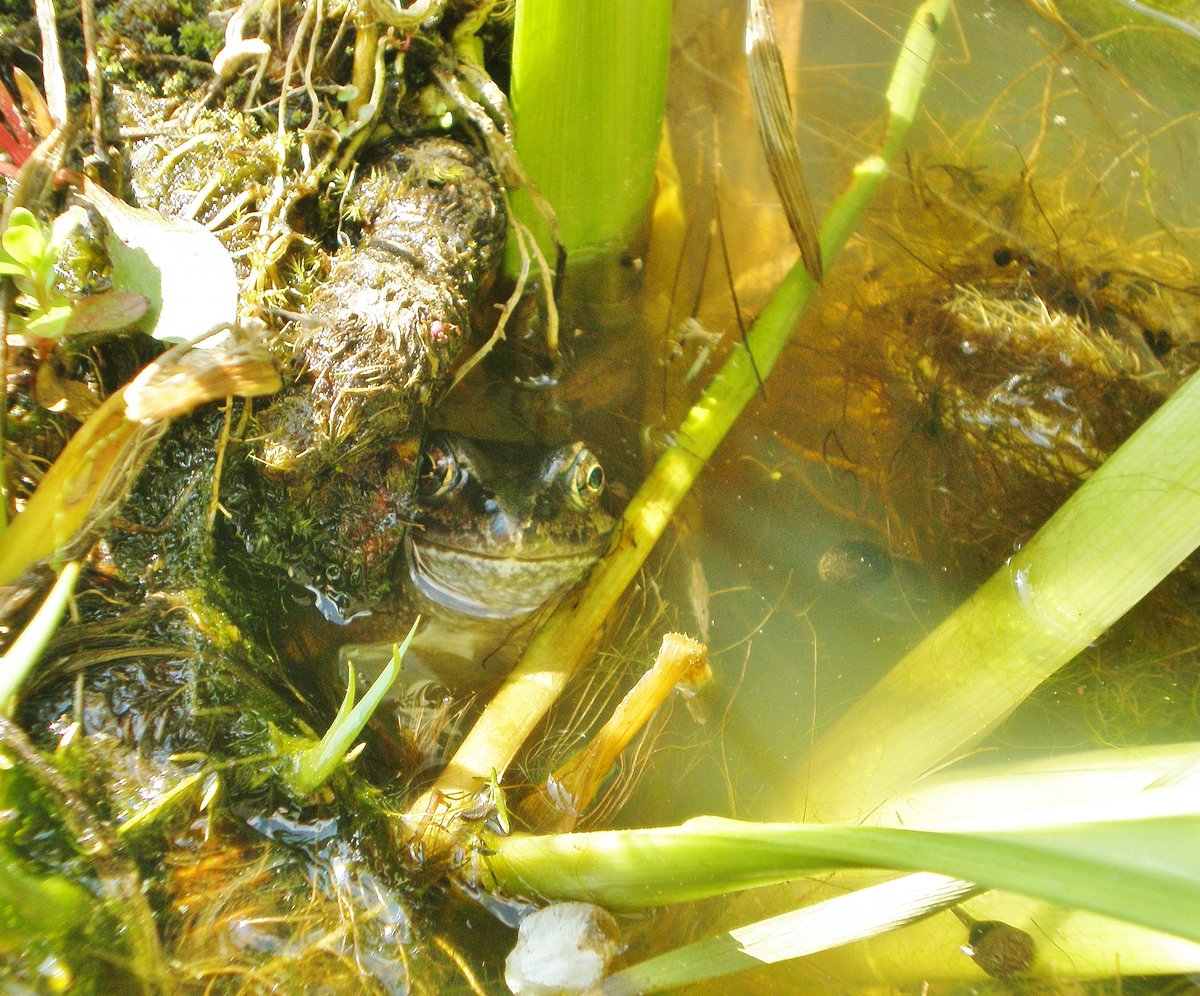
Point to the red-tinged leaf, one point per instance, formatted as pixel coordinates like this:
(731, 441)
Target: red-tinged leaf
(15, 139)
(10, 146)
(106, 312)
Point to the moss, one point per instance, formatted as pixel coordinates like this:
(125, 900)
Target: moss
(170, 669)
(168, 686)
(144, 43)
(200, 39)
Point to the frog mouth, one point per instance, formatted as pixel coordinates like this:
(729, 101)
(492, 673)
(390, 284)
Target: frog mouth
(488, 585)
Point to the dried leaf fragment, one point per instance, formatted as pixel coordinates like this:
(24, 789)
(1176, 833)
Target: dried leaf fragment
(773, 114)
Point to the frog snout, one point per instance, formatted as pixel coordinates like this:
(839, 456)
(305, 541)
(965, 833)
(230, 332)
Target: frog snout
(506, 528)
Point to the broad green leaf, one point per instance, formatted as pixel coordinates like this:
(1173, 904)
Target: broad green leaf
(854, 916)
(36, 906)
(24, 240)
(1142, 871)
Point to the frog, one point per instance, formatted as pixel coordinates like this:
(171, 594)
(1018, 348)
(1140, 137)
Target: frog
(500, 530)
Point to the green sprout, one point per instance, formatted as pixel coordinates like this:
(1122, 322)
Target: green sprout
(28, 252)
(309, 767)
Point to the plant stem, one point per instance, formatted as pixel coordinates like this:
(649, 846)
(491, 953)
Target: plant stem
(560, 645)
(588, 86)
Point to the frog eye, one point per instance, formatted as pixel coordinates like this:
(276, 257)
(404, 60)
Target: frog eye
(438, 473)
(585, 479)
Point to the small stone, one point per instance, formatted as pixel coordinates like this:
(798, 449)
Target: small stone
(564, 948)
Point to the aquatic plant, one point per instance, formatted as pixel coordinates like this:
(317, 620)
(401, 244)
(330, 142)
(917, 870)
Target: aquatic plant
(1053, 597)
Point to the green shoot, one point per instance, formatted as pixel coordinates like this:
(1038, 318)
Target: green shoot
(28, 253)
(18, 663)
(308, 769)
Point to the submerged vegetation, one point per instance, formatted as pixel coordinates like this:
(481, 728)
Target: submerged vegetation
(253, 254)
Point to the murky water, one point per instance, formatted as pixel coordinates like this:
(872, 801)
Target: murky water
(884, 428)
(924, 421)
(1018, 299)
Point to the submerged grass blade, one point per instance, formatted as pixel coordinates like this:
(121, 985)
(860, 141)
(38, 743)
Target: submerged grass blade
(17, 664)
(556, 650)
(162, 805)
(858, 915)
(1142, 871)
(1137, 782)
(1120, 534)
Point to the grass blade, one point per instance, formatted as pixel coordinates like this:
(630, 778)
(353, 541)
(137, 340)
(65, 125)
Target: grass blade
(18, 662)
(853, 917)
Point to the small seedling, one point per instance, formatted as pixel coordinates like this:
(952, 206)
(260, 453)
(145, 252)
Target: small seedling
(309, 766)
(28, 252)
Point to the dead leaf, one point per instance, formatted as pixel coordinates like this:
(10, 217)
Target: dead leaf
(177, 265)
(773, 114)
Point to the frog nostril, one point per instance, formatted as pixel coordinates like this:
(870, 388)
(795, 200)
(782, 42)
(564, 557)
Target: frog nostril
(504, 528)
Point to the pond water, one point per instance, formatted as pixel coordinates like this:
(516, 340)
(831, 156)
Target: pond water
(946, 392)
(1018, 299)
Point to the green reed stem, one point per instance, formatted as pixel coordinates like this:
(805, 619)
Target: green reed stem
(588, 88)
(562, 642)
(1115, 868)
